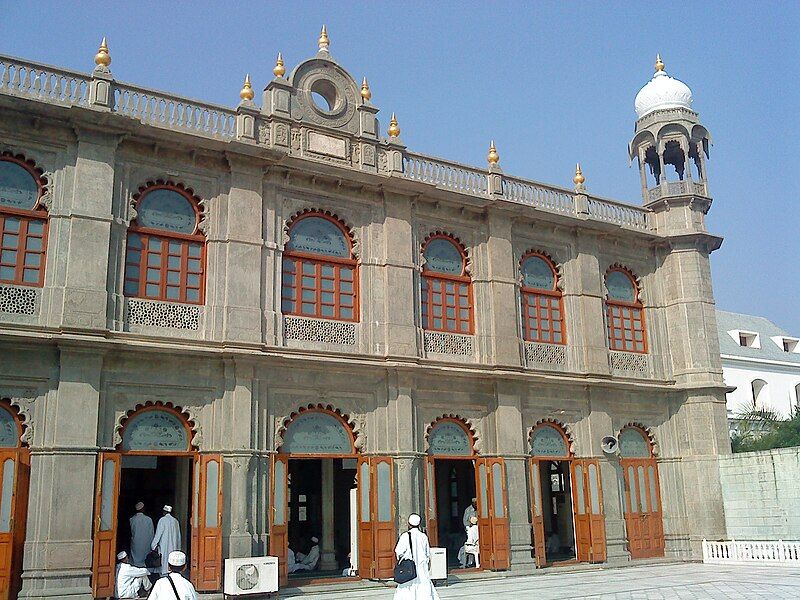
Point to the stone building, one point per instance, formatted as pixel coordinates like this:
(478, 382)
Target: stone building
(286, 324)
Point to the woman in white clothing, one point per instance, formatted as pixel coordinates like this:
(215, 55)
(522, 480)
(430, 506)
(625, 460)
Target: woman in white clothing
(414, 545)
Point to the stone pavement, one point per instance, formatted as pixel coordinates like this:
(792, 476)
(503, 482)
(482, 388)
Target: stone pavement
(647, 582)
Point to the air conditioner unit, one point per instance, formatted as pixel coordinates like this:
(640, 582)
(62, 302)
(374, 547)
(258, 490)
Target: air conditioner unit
(256, 575)
(438, 563)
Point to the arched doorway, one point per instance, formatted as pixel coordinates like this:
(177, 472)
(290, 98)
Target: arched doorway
(156, 463)
(324, 487)
(14, 481)
(566, 500)
(642, 501)
(454, 476)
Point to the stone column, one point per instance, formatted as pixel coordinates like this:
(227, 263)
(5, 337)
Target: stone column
(408, 441)
(328, 545)
(58, 547)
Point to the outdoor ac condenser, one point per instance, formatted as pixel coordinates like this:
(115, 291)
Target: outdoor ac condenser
(256, 575)
(438, 563)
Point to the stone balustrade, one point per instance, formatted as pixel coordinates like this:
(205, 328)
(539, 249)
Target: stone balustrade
(443, 173)
(44, 83)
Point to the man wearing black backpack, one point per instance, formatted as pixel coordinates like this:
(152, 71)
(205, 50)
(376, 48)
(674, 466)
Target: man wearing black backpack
(413, 552)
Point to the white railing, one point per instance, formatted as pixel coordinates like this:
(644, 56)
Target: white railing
(443, 173)
(537, 194)
(621, 214)
(42, 82)
(765, 552)
(173, 112)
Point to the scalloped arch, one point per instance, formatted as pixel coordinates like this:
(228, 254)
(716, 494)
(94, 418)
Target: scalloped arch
(557, 266)
(620, 267)
(467, 424)
(565, 429)
(354, 426)
(44, 179)
(182, 413)
(326, 213)
(453, 238)
(17, 408)
(646, 430)
(199, 202)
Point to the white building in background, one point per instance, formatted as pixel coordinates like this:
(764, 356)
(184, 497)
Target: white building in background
(762, 361)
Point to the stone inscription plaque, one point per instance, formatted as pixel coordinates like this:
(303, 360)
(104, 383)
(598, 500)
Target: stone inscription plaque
(325, 144)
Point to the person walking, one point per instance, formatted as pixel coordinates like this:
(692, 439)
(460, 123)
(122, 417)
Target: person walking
(174, 586)
(167, 538)
(141, 535)
(414, 545)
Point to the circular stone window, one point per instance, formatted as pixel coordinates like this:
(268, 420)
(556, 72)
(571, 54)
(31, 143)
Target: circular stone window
(325, 96)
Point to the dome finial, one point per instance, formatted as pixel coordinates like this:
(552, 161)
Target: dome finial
(103, 58)
(279, 70)
(659, 63)
(579, 179)
(324, 41)
(493, 157)
(247, 92)
(366, 94)
(394, 128)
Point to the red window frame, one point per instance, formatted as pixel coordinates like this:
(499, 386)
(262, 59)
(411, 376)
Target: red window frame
(329, 276)
(164, 245)
(437, 296)
(19, 239)
(541, 305)
(625, 320)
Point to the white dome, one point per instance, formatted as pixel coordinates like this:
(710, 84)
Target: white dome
(662, 91)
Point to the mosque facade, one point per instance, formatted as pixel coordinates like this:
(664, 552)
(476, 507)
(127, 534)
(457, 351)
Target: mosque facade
(284, 323)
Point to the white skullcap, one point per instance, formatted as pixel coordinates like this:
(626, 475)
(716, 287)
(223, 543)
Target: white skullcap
(473, 519)
(315, 540)
(122, 555)
(139, 505)
(176, 558)
(168, 508)
(414, 520)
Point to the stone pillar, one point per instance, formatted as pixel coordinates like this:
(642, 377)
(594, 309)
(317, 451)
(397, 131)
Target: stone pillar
(58, 548)
(407, 436)
(328, 544)
(84, 247)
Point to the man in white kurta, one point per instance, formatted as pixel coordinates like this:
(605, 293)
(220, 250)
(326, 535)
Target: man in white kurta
(414, 545)
(163, 589)
(141, 535)
(130, 580)
(307, 562)
(472, 545)
(167, 538)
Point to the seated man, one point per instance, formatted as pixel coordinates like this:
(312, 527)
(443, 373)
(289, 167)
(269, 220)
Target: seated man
(472, 545)
(132, 582)
(308, 562)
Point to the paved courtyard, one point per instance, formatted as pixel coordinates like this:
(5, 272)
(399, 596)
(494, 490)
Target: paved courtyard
(651, 582)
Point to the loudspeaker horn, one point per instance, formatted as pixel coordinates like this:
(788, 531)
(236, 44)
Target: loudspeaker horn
(610, 444)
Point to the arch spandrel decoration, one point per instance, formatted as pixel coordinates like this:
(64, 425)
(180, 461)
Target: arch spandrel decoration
(13, 427)
(318, 429)
(451, 435)
(551, 438)
(348, 230)
(156, 427)
(646, 445)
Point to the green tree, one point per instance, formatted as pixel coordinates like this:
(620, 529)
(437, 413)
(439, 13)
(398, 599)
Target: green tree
(764, 430)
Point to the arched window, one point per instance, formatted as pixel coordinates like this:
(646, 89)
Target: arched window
(320, 273)
(624, 313)
(797, 398)
(542, 307)
(760, 393)
(166, 251)
(633, 443)
(446, 287)
(23, 222)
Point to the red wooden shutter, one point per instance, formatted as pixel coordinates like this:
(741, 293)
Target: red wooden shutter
(104, 553)
(431, 520)
(583, 531)
(383, 515)
(14, 469)
(501, 543)
(537, 513)
(207, 526)
(594, 505)
(279, 524)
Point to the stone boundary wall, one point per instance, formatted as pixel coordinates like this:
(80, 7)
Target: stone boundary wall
(761, 494)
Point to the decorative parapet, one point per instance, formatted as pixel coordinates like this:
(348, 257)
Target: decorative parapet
(545, 356)
(453, 344)
(629, 364)
(449, 175)
(18, 300)
(676, 188)
(538, 195)
(169, 315)
(325, 331)
(44, 83)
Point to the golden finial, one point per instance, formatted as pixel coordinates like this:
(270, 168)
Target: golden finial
(103, 58)
(323, 41)
(247, 92)
(579, 178)
(366, 94)
(394, 129)
(659, 63)
(493, 156)
(279, 69)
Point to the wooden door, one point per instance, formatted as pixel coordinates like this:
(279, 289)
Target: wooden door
(482, 485)
(537, 513)
(431, 508)
(279, 523)
(587, 497)
(207, 524)
(366, 561)
(104, 553)
(383, 504)
(14, 469)
(642, 504)
(493, 523)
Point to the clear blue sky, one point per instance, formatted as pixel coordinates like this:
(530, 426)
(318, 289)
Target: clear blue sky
(551, 83)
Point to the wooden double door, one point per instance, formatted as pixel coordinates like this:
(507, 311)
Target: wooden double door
(14, 483)
(206, 521)
(643, 518)
(376, 516)
(587, 509)
(492, 511)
